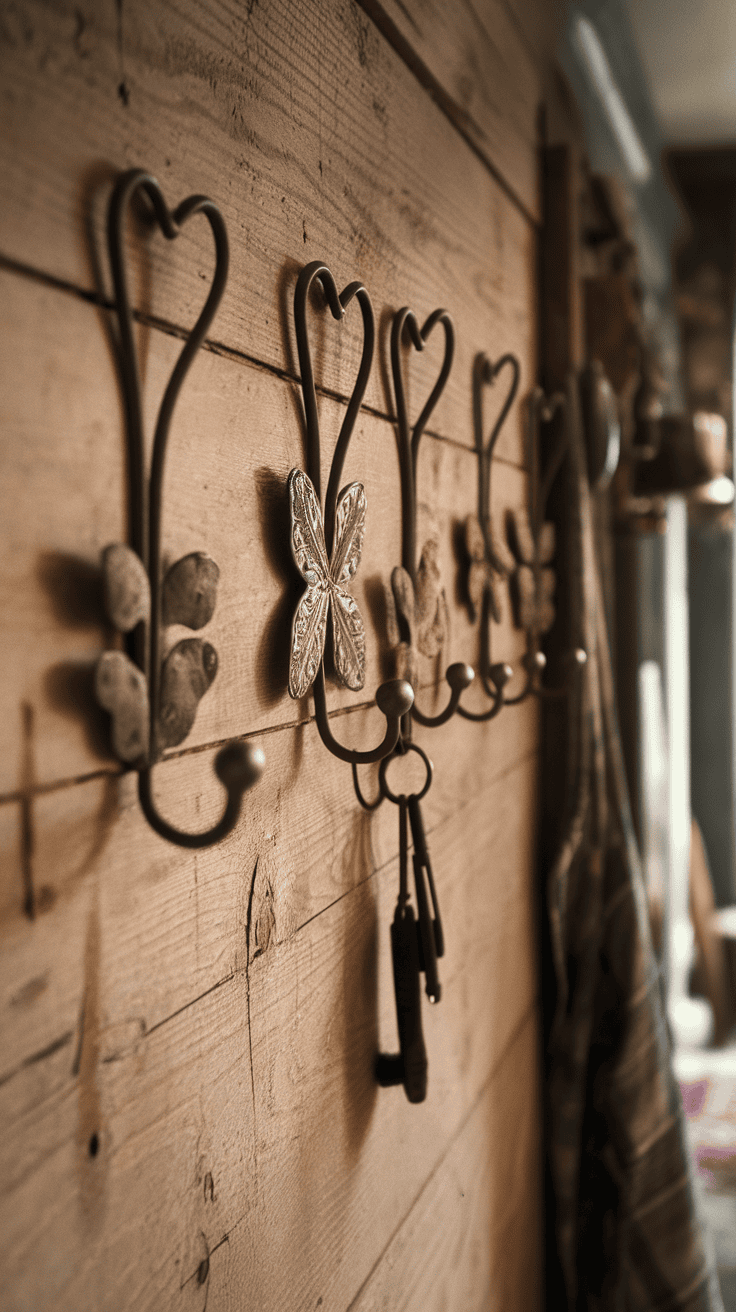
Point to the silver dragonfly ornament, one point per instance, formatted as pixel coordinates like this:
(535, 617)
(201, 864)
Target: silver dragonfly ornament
(327, 585)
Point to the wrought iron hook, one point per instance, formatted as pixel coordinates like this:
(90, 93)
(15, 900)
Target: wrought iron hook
(459, 676)
(542, 410)
(493, 676)
(238, 765)
(328, 556)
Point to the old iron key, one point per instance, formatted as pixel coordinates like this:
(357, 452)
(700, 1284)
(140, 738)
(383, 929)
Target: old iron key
(409, 1067)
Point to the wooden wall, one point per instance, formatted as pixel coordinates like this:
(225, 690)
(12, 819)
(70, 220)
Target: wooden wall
(189, 1112)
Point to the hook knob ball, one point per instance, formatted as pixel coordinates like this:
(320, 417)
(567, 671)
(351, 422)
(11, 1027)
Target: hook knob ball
(395, 698)
(239, 766)
(580, 657)
(500, 674)
(535, 661)
(459, 676)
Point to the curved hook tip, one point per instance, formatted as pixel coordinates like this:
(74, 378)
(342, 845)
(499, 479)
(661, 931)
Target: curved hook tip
(535, 661)
(395, 698)
(500, 674)
(459, 676)
(239, 766)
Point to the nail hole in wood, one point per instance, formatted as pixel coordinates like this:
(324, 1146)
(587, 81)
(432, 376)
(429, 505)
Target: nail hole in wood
(94, 1145)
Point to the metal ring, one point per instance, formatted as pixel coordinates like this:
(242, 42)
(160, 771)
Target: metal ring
(392, 797)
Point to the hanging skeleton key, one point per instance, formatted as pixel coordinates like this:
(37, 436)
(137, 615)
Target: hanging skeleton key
(431, 938)
(409, 1066)
(416, 943)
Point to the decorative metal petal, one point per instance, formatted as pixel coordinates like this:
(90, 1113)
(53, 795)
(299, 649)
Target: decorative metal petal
(503, 556)
(431, 608)
(126, 587)
(190, 591)
(120, 687)
(308, 632)
(522, 539)
(348, 638)
(403, 594)
(481, 580)
(349, 533)
(307, 529)
(474, 541)
(186, 674)
(534, 608)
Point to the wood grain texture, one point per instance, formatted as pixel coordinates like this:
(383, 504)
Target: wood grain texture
(472, 1235)
(309, 132)
(178, 917)
(235, 436)
(477, 65)
(264, 1083)
(187, 1090)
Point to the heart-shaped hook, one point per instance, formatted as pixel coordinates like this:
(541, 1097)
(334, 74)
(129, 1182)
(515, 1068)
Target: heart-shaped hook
(193, 663)
(405, 324)
(338, 303)
(394, 698)
(485, 374)
(170, 224)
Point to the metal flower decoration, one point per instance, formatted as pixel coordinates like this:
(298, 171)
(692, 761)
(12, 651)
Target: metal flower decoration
(533, 581)
(326, 585)
(485, 567)
(189, 596)
(421, 611)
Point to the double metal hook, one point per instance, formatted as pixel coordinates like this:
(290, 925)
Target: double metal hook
(153, 705)
(327, 549)
(486, 562)
(404, 579)
(536, 608)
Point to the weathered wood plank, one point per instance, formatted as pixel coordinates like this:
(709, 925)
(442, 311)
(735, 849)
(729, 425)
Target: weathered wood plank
(106, 1223)
(368, 175)
(475, 63)
(472, 1240)
(235, 437)
(171, 1103)
(177, 919)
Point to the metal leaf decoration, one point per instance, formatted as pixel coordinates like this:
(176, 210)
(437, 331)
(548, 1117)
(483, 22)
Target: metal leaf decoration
(120, 688)
(481, 574)
(421, 611)
(190, 591)
(126, 589)
(430, 607)
(532, 591)
(533, 599)
(522, 538)
(189, 598)
(326, 585)
(188, 671)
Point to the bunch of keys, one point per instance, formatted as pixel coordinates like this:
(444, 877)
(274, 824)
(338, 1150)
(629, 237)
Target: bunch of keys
(416, 942)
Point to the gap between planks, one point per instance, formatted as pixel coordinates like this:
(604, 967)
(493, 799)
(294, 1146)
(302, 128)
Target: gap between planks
(169, 329)
(444, 102)
(375, 873)
(116, 771)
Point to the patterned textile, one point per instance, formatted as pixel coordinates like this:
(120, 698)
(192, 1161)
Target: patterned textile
(620, 1195)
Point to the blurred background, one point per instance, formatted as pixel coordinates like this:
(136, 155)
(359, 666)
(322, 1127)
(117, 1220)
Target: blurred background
(654, 82)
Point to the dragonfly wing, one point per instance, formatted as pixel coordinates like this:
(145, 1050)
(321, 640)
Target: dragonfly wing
(349, 533)
(348, 639)
(308, 633)
(307, 529)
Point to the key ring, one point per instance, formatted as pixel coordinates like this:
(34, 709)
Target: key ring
(386, 791)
